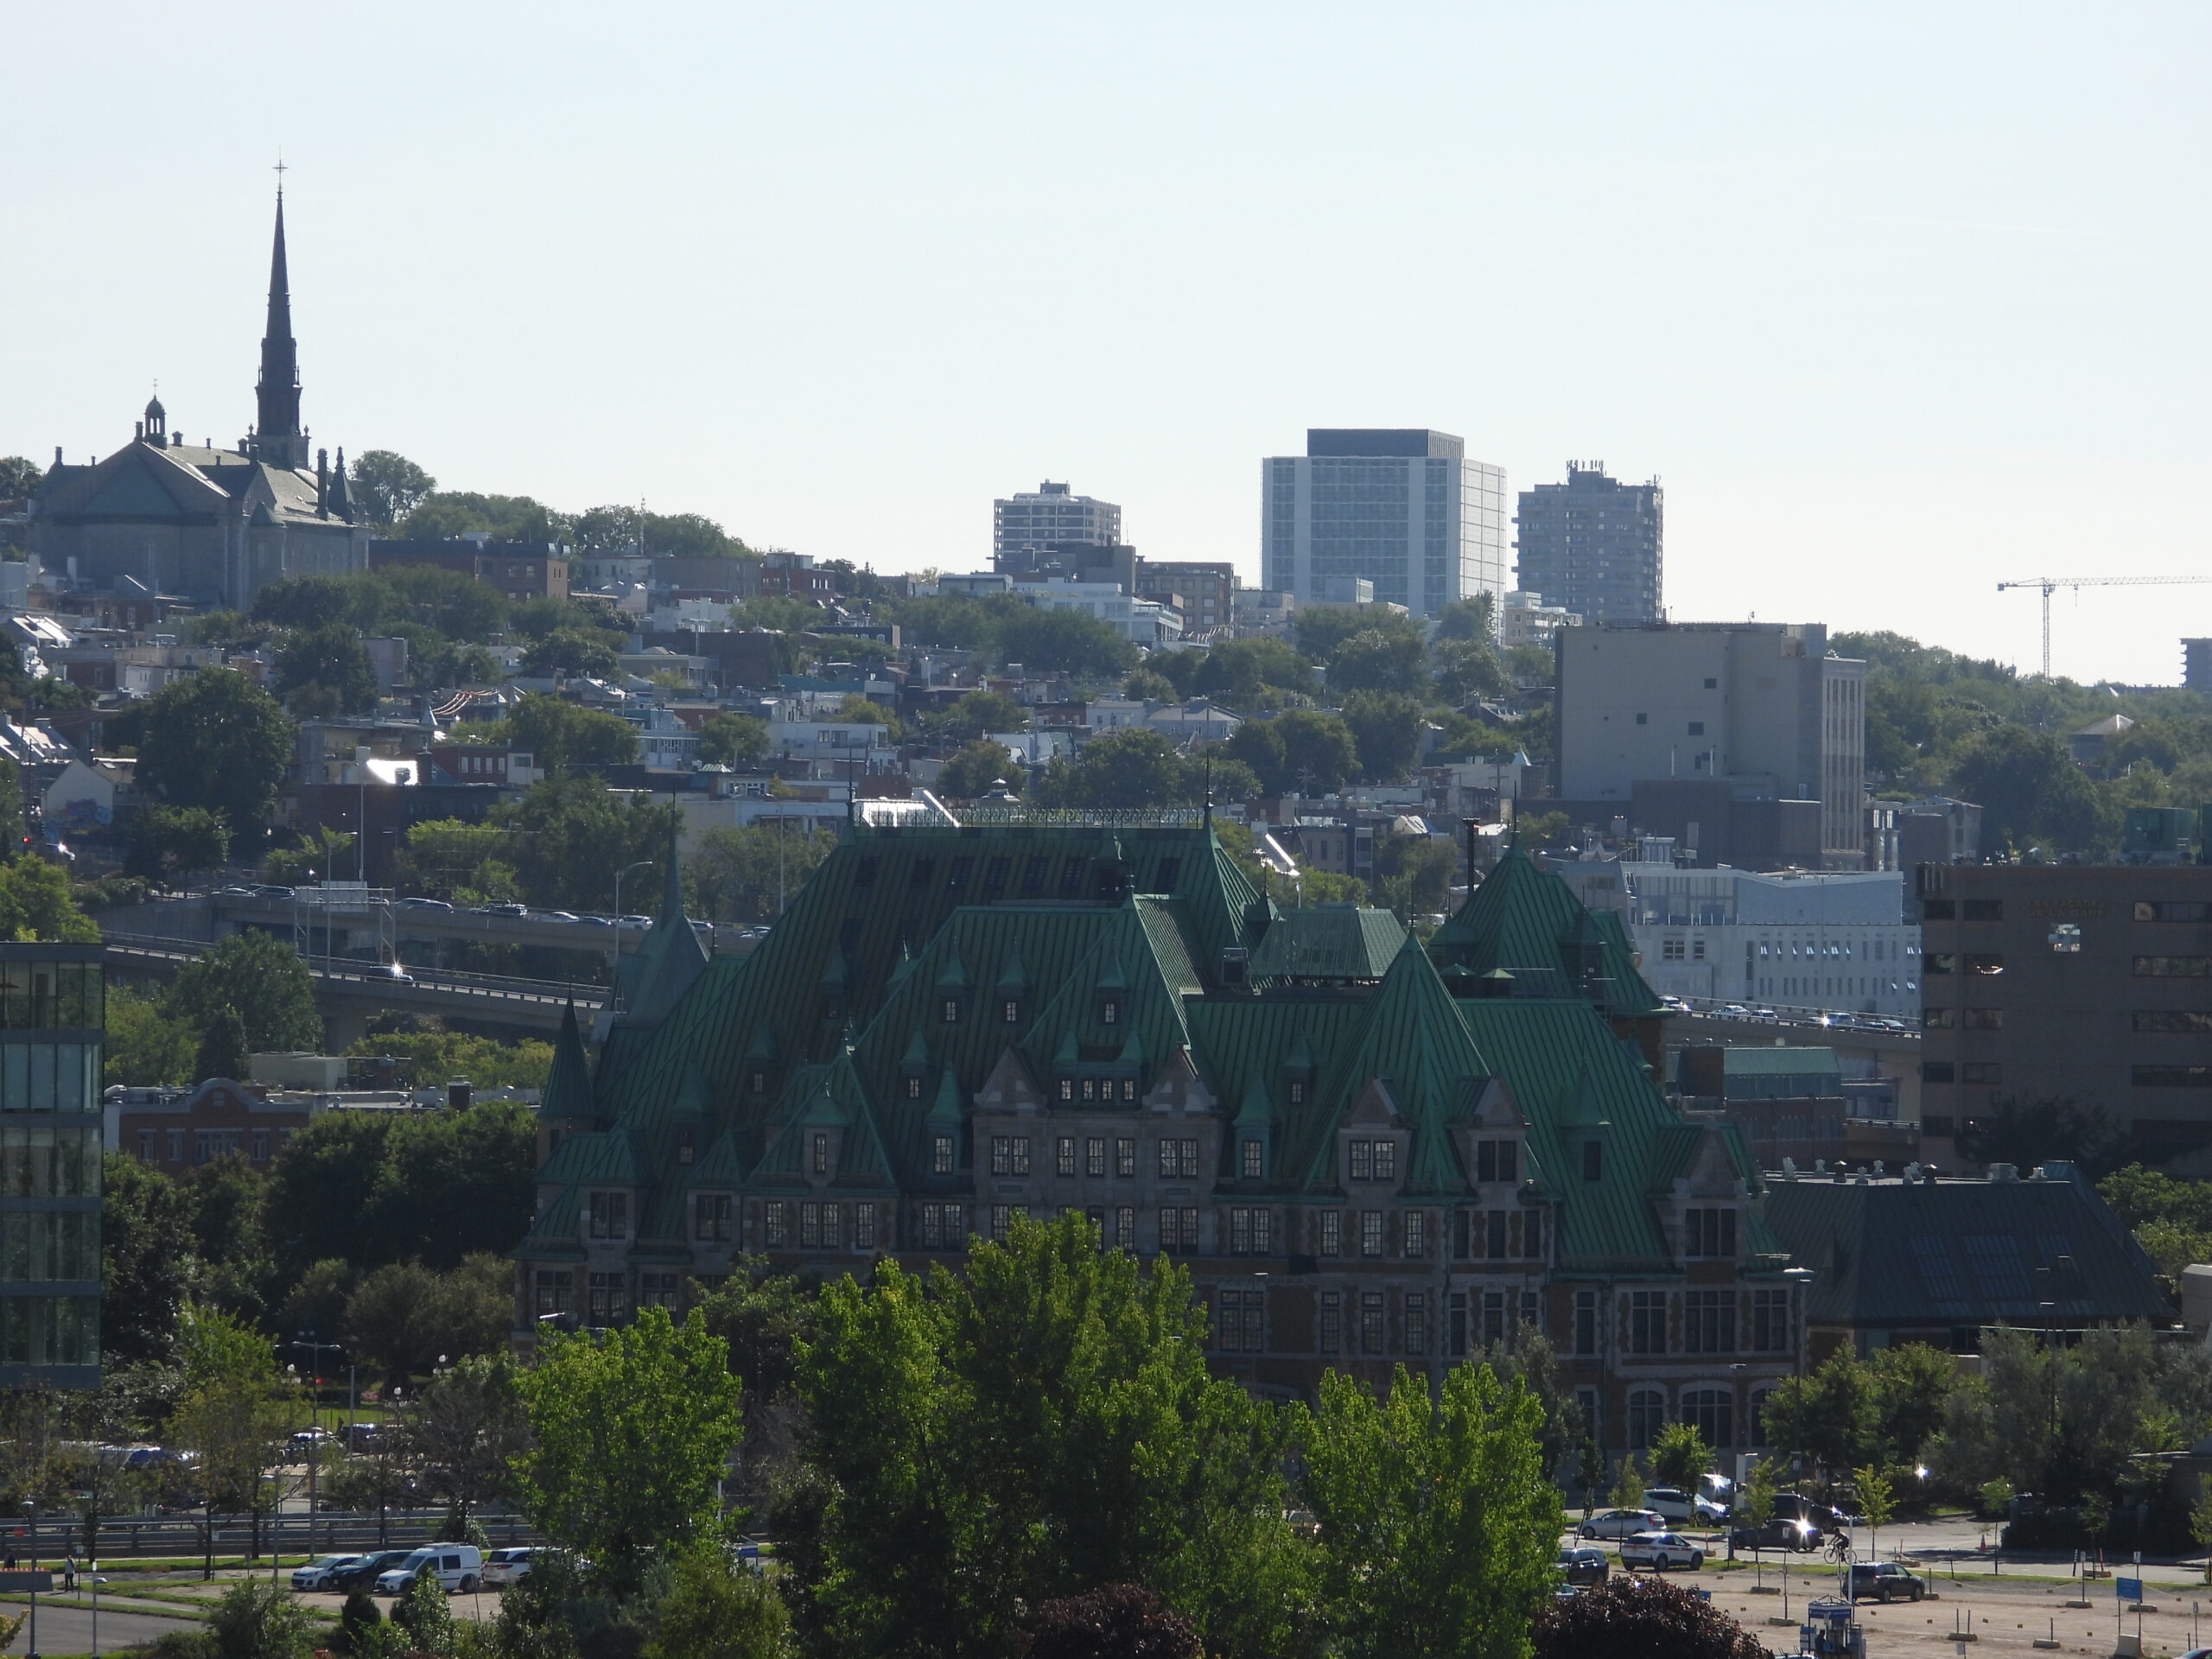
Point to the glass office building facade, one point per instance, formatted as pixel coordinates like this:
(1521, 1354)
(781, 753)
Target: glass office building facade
(1403, 509)
(52, 1020)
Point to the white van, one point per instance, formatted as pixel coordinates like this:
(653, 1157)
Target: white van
(455, 1566)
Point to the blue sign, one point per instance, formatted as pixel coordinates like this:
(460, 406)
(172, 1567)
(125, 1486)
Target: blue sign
(2128, 1589)
(748, 1552)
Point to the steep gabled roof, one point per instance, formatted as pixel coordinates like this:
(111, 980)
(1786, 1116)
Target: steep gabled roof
(1529, 922)
(1328, 942)
(566, 1095)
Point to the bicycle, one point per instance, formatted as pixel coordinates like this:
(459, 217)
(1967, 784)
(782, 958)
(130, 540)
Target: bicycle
(1839, 1549)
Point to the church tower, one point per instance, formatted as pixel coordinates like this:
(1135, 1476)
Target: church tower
(277, 437)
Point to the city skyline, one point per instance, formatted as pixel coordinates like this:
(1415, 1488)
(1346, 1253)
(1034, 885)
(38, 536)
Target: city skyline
(1891, 332)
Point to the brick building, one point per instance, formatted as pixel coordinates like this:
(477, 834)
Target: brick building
(518, 570)
(1366, 1152)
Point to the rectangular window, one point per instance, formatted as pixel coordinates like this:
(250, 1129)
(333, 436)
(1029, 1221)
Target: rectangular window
(2173, 910)
(1125, 1157)
(2173, 1077)
(1986, 964)
(146, 1137)
(1769, 1321)
(1371, 1232)
(1032, 877)
(555, 1291)
(659, 1289)
(948, 1011)
(944, 1226)
(1332, 1232)
(1939, 910)
(864, 1226)
(603, 1300)
(1647, 1322)
(1249, 1159)
(1093, 1156)
(821, 1152)
(1009, 1154)
(2178, 1021)
(1494, 1331)
(1251, 1230)
(1709, 1233)
(1416, 1232)
(1593, 1160)
(776, 1224)
(1386, 1161)
(1332, 1321)
(1363, 1160)
(1709, 1322)
(1939, 1019)
(2173, 967)
(1179, 1230)
(610, 1215)
(1071, 877)
(1585, 1321)
(1063, 1155)
(1497, 1161)
(1178, 1159)
(1935, 964)
(1001, 1221)
(1416, 1323)
(710, 1213)
(1240, 1319)
(941, 1154)
(1981, 1071)
(810, 1226)
(1371, 1322)
(1937, 1071)
(994, 872)
(1010, 1011)
(1532, 1235)
(1125, 1227)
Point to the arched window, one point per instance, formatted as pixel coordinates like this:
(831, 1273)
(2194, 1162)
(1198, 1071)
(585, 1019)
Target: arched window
(1712, 1412)
(1647, 1416)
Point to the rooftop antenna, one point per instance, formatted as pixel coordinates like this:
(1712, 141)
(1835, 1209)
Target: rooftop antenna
(1209, 818)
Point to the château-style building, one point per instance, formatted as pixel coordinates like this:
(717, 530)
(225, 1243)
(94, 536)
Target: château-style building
(1367, 1152)
(213, 525)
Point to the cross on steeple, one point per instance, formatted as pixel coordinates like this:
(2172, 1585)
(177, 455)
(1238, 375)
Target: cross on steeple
(280, 170)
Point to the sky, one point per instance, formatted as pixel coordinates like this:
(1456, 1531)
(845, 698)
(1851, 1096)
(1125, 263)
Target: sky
(1899, 300)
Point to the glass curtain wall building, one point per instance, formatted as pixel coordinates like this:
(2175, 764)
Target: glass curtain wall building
(52, 1020)
(1405, 510)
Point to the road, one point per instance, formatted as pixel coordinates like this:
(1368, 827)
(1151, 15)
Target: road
(69, 1631)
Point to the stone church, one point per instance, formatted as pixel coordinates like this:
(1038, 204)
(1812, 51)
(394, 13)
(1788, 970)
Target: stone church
(214, 527)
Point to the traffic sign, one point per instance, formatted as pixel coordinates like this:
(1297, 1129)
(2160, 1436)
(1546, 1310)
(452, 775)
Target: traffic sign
(2128, 1589)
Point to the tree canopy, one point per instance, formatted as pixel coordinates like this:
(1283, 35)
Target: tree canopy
(214, 740)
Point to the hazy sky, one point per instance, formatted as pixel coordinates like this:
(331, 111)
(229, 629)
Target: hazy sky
(1898, 300)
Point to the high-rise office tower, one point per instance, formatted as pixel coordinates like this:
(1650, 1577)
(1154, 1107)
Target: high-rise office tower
(1051, 517)
(1592, 545)
(1403, 509)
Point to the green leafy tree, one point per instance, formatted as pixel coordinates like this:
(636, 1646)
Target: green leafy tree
(254, 1619)
(732, 739)
(406, 1319)
(1036, 1423)
(1473, 619)
(1374, 660)
(1466, 669)
(1137, 768)
(462, 863)
(214, 739)
(1148, 684)
(2027, 1133)
(978, 769)
(1414, 873)
(447, 515)
(15, 834)
(387, 487)
(426, 1059)
(714, 1611)
(1386, 731)
(358, 1622)
(222, 1050)
(325, 671)
(573, 836)
(36, 906)
(422, 1612)
(1640, 1618)
(1680, 1457)
(1830, 1416)
(1912, 1380)
(1318, 630)
(230, 1235)
(746, 873)
(467, 1429)
(176, 843)
(1438, 1525)
(572, 652)
(1754, 1503)
(1304, 749)
(19, 477)
(1247, 673)
(978, 714)
(1072, 643)
(261, 980)
(147, 1259)
(1629, 1482)
(238, 1427)
(1877, 1502)
(565, 737)
(2031, 792)
(306, 604)
(631, 1431)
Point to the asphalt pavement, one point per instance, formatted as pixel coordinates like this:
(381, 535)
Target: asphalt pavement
(69, 1630)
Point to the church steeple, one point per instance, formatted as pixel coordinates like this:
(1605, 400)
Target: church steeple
(278, 439)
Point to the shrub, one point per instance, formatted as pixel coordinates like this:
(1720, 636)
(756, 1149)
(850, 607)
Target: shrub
(1115, 1621)
(1641, 1618)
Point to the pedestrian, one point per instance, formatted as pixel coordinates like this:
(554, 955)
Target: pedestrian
(69, 1574)
(11, 1558)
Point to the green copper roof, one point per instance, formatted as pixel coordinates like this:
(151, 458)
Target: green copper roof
(1529, 922)
(567, 1095)
(1328, 942)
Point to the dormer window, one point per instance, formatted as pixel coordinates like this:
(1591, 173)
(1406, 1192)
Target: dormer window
(1298, 1094)
(1109, 1011)
(1067, 1088)
(1010, 1011)
(1497, 1161)
(1251, 1157)
(913, 1085)
(819, 1156)
(1709, 1233)
(757, 1083)
(1593, 1160)
(949, 1010)
(941, 1154)
(1374, 1161)
(608, 1215)
(687, 1143)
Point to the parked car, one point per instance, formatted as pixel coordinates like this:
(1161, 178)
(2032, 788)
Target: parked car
(455, 1566)
(1579, 1566)
(1781, 1532)
(1660, 1550)
(307, 1439)
(1621, 1523)
(1884, 1581)
(503, 1566)
(315, 1575)
(366, 1570)
(1679, 1507)
(419, 903)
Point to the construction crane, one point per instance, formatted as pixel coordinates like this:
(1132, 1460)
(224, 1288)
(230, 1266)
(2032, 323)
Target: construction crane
(2052, 584)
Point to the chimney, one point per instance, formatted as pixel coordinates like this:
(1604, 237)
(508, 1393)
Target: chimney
(57, 454)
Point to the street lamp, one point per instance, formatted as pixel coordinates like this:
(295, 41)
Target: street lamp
(30, 1514)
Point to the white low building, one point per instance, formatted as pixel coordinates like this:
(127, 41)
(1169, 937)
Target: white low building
(1836, 941)
(1139, 621)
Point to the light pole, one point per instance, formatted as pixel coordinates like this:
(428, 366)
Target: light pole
(30, 1516)
(615, 989)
